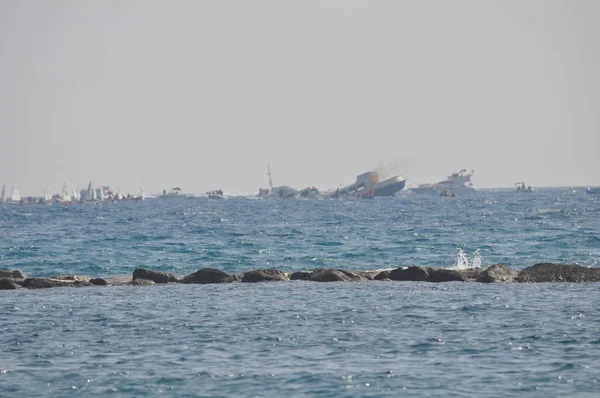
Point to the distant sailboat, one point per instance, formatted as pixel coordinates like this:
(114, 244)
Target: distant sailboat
(65, 195)
(16, 195)
(90, 192)
(3, 197)
(47, 193)
(142, 193)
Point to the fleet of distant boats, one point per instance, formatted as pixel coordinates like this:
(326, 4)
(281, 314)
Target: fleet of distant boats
(367, 186)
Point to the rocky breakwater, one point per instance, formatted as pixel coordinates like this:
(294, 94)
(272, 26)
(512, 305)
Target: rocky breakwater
(497, 273)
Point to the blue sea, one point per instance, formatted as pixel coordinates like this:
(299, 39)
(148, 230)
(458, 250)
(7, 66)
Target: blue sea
(300, 338)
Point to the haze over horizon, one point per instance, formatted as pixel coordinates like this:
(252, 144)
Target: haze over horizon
(203, 95)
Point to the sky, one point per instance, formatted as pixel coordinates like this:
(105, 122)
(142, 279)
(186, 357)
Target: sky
(205, 94)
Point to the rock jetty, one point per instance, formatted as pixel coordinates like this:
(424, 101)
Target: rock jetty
(497, 273)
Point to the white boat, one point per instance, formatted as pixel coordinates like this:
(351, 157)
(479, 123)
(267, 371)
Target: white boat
(521, 187)
(175, 193)
(3, 196)
(281, 192)
(16, 195)
(65, 195)
(458, 183)
(47, 194)
(367, 185)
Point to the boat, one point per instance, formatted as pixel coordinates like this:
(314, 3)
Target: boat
(16, 195)
(217, 195)
(281, 192)
(368, 185)
(47, 194)
(142, 192)
(65, 196)
(174, 193)
(521, 187)
(458, 183)
(593, 190)
(3, 196)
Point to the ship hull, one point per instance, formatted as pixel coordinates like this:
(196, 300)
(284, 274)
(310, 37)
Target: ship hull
(389, 187)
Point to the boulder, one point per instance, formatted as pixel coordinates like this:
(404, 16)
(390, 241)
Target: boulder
(155, 276)
(383, 275)
(470, 274)
(497, 273)
(410, 274)
(334, 275)
(262, 275)
(43, 283)
(548, 272)
(300, 275)
(12, 274)
(118, 280)
(98, 282)
(74, 278)
(9, 284)
(142, 282)
(370, 275)
(209, 275)
(444, 275)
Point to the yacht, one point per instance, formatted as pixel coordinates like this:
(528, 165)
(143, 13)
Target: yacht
(458, 183)
(369, 183)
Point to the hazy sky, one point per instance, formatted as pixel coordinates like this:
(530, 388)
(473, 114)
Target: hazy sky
(205, 94)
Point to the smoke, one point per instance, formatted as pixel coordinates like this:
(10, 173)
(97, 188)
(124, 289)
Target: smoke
(390, 169)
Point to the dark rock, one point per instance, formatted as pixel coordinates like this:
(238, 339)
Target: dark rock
(209, 275)
(334, 275)
(73, 278)
(142, 282)
(8, 284)
(43, 283)
(155, 276)
(497, 273)
(262, 275)
(470, 274)
(98, 282)
(548, 272)
(418, 274)
(300, 275)
(12, 274)
(383, 275)
(444, 275)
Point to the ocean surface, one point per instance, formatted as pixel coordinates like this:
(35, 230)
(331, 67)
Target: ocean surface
(299, 338)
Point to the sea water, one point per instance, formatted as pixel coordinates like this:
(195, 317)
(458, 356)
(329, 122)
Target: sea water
(302, 338)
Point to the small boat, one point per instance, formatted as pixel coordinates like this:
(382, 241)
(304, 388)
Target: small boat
(217, 195)
(593, 190)
(456, 182)
(3, 196)
(521, 187)
(174, 193)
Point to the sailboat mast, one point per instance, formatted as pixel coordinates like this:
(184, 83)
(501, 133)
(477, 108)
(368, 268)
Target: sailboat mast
(270, 179)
